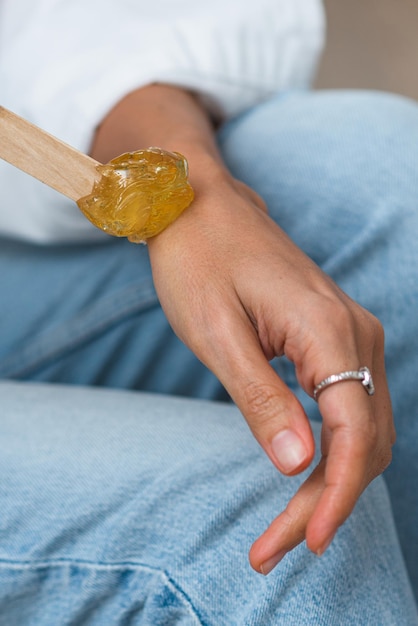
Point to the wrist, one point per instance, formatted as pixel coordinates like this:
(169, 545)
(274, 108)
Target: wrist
(172, 119)
(166, 117)
(154, 115)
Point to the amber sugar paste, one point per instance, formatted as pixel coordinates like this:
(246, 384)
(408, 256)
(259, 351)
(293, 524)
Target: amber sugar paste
(139, 194)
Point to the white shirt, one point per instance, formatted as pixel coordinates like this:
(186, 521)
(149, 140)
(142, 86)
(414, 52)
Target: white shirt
(65, 63)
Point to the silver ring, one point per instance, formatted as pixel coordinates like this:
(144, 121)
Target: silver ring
(363, 375)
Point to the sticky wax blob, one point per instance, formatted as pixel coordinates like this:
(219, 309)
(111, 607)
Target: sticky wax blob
(139, 194)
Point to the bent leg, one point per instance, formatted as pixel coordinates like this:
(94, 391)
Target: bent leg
(88, 314)
(338, 171)
(119, 507)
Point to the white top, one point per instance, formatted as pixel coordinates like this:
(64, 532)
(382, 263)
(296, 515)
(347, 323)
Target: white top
(65, 63)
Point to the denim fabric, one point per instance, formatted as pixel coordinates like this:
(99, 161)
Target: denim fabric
(90, 315)
(126, 508)
(338, 172)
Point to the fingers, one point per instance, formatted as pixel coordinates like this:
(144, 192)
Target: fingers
(357, 441)
(289, 528)
(273, 413)
(320, 506)
(356, 448)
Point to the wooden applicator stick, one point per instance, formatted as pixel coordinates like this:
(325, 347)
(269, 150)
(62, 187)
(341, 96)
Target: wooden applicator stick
(45, 157)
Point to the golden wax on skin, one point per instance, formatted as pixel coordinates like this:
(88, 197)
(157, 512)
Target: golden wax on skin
(139, 194)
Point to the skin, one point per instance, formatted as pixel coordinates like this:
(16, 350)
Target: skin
(238, 291)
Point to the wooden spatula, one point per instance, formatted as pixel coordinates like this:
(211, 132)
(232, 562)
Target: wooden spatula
(45, 157)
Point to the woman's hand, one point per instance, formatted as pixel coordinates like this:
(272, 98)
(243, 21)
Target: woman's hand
(238, 292)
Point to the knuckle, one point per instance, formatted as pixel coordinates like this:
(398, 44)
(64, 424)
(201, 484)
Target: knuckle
(381, 451)
(354, 321)
(373, 327)
(370, 321)
(262, 403)
(379, 332)
(293, 521)
(384, 459)
(369, 435)
(337, 320)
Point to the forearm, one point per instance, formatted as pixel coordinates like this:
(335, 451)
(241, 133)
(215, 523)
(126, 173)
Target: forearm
(163, 116)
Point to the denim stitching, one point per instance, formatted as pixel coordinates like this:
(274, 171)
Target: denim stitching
(124, 565)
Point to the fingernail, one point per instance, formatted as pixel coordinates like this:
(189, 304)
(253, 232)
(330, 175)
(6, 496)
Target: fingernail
(270, 564)
(325, 545)
(289, 450)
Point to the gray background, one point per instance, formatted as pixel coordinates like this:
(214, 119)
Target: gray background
(371, 44)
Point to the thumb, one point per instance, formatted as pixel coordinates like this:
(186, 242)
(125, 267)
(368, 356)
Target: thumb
(273, 413)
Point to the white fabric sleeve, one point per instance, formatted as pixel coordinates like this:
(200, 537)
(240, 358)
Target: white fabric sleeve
(64, 64)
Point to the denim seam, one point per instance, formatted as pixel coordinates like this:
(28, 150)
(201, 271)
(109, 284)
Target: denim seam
(83, 327)
(106, 567)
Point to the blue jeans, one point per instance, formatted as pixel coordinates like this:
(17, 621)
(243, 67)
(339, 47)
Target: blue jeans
(121, 508)
(146, 516)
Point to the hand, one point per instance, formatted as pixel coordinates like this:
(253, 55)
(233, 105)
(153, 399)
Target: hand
(238, 292)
